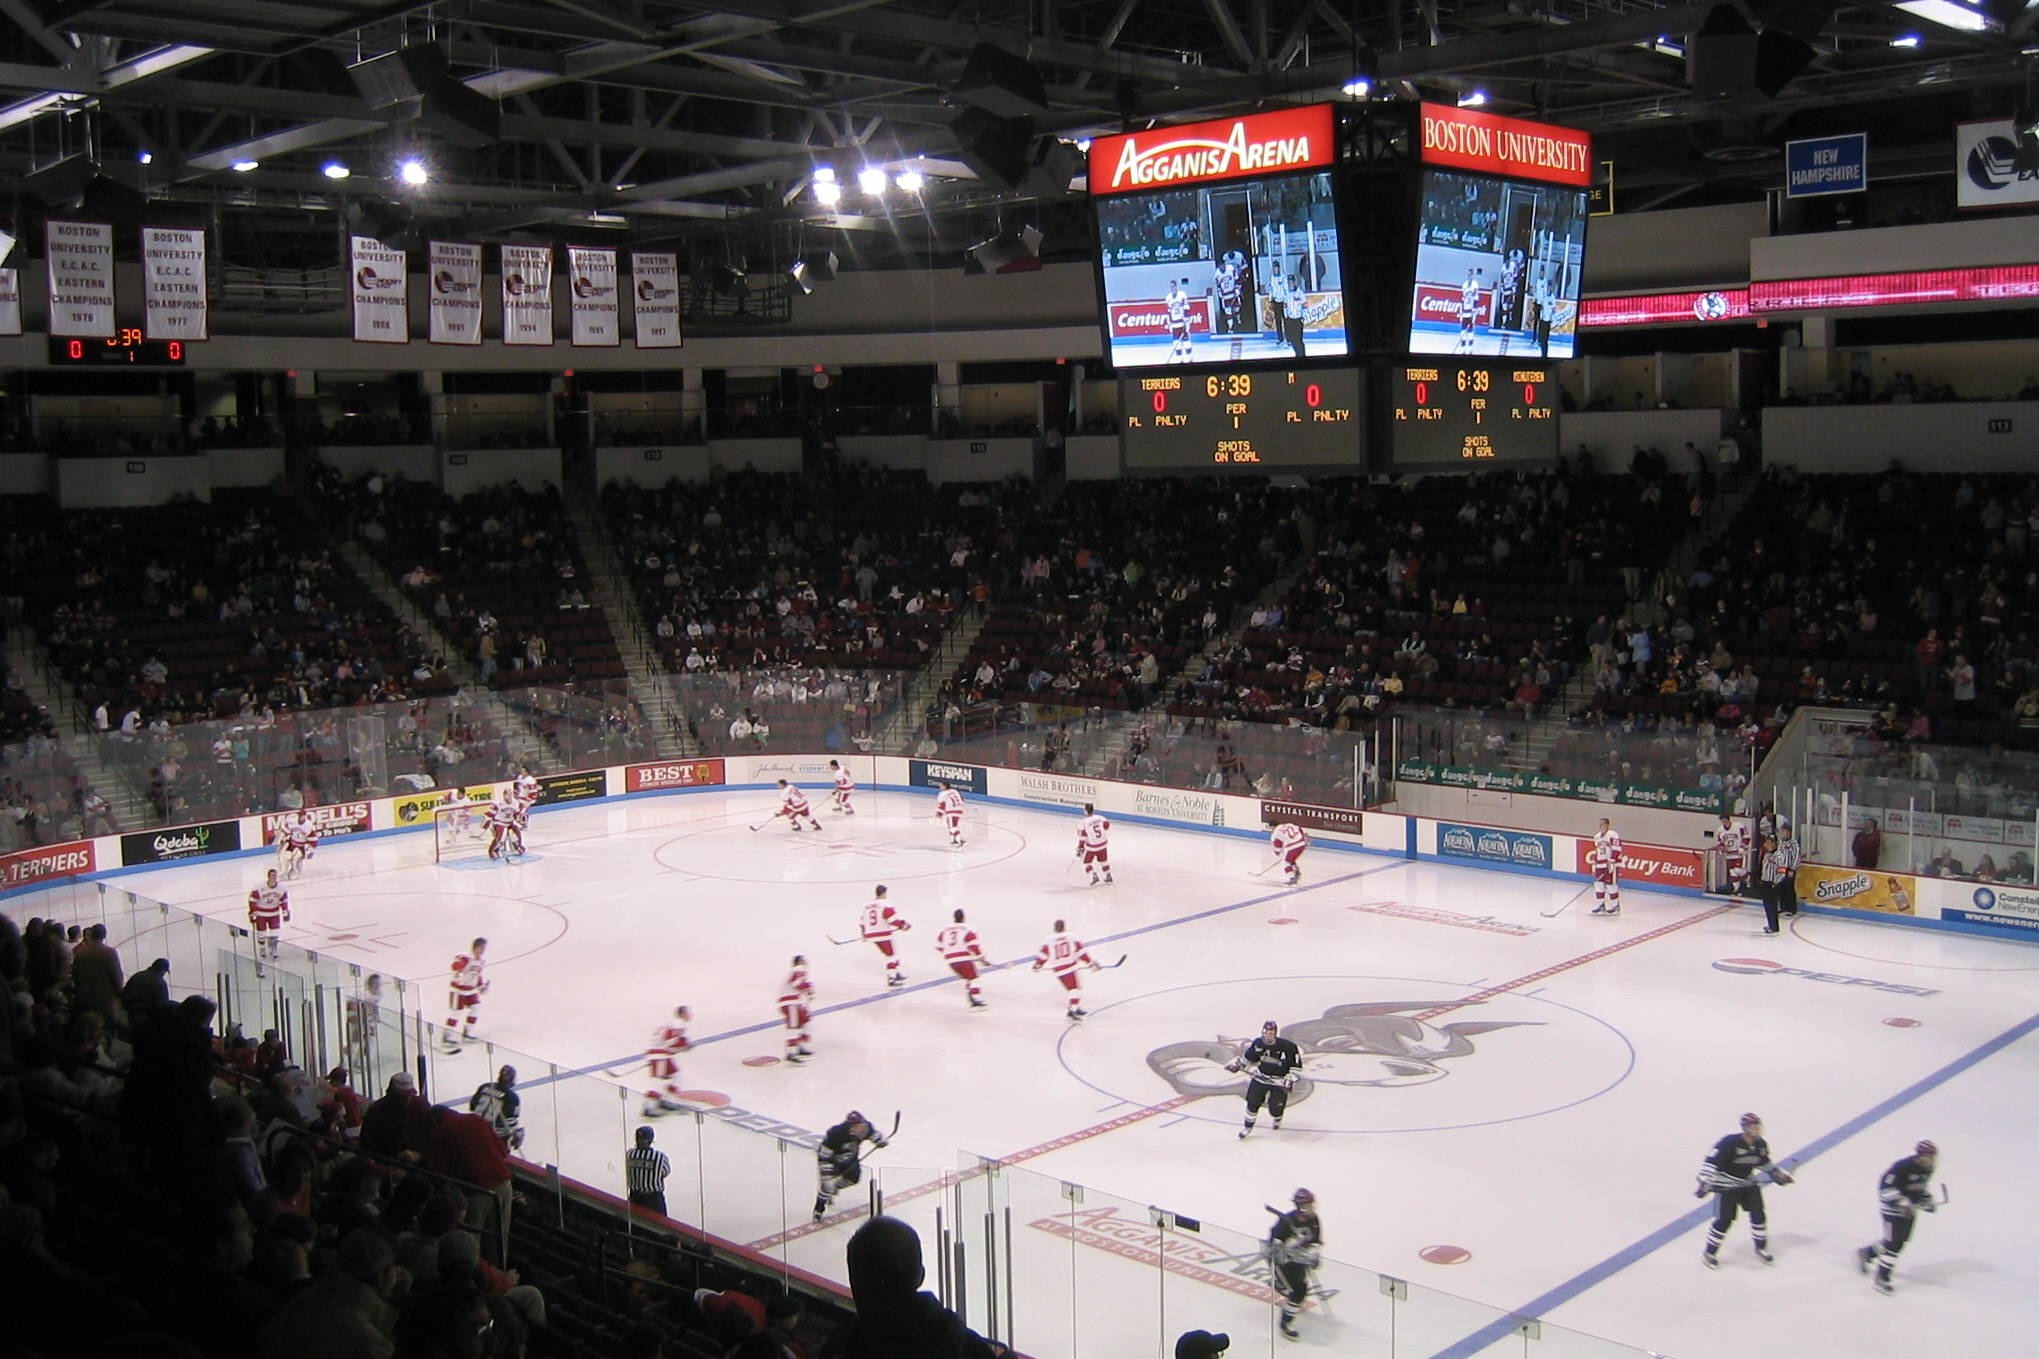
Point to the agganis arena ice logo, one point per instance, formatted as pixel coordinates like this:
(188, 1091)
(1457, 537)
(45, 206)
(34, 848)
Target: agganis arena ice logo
(1763, 967)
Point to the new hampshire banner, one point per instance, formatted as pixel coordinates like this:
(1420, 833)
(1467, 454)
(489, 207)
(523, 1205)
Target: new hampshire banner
(173, 283)
(527, 294)
(80, 257)
(655, 298)
(455, 304)
(597, 311)
(382, 293)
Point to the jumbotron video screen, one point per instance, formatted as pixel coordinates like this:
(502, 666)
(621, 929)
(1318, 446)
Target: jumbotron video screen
(1218, 242)
(1498, 265)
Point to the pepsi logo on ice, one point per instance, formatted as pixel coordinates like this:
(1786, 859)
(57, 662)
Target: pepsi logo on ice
(1763, 967)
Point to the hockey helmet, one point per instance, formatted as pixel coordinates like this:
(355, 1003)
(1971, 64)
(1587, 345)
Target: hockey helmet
(1267, 1024)
(1751, 1121)
(1304, 1198)
(854, 1117)
(1926, 1148)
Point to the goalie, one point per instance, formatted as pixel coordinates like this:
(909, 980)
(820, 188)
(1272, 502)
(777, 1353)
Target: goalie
(1734, 1173)
(839, 1160)
(1275, 1061)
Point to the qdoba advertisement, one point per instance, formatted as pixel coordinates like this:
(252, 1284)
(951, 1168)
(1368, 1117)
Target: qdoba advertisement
(180, 842)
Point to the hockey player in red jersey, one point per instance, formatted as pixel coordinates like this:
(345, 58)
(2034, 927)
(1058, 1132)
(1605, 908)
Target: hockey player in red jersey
(845, 788)
(297, 839)
(878, 924)
(463, 998)
(1289, 841)
(1063, 954)
(964, 953)
(1094, 845)
(949, 811)
(793, 806)
(268, 909)
(662, 1054)
(795, 999)
(1607, 870)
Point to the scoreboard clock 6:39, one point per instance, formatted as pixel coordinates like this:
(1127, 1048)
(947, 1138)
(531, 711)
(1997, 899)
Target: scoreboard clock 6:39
(1443, 412)
(1243, 420)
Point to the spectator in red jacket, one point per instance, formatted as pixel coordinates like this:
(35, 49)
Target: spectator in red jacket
(465, 1146)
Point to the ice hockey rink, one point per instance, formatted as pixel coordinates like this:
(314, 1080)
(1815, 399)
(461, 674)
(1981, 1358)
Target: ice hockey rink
(1503, 1122)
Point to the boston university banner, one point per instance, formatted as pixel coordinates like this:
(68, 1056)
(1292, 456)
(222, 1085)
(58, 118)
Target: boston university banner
(10, 301)
(655, 298)
(382, 293)
(597, 311)
(173, 284)
(527, 294)
(80, 257)
(455, 302)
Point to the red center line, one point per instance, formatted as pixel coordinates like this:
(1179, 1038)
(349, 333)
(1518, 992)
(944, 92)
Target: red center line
(1148, 1111)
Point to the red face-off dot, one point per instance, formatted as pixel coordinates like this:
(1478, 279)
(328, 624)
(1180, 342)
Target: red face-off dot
(1281, 920)
(704, 1099)
(760, 1061)
(1444, 1255)
(1900, 1022)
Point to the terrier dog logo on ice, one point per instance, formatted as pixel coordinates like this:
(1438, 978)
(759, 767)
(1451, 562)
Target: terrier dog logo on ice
(1371, 1044)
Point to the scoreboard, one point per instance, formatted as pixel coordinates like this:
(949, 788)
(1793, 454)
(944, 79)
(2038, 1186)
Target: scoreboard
(1243, 419)
(1454, 413)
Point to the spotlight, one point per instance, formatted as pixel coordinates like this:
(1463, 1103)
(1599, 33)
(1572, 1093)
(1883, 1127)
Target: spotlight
(1359, 88)
(910, 181)
(827, 192)
(413, 172)
(1908, 40)
(1472, 99)
(145, 157)
(812, 269)
(871, 180)
(335, 170)
(824, 174)
(241, 167)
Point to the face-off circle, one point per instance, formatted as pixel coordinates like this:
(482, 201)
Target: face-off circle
(1380, 1054)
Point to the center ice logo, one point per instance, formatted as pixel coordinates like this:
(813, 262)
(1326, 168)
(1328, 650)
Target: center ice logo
(1369, 1044)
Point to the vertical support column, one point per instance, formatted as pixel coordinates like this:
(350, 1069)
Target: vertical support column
(948, 393)
(433, 385)
(693, 401)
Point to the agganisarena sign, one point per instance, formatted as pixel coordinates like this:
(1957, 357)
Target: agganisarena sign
(1223, 148)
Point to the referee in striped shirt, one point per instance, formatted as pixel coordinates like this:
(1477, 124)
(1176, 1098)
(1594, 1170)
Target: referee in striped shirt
(647, 1168)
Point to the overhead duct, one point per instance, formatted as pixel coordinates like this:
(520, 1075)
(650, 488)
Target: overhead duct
(1727, 59)
(1055, 164)
(400, 77)
(60, 185)
(393, 224)
(1009, 252)
(460, 114)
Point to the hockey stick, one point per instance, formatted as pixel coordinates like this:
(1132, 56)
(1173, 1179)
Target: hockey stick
(625, 1069)
(1563, 906)
(888, 1137)
(1120, 963)
(840, 942)
(1945, 1198)
(1262, 870)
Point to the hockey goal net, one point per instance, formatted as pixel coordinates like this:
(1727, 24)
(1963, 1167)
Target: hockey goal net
(458, 832)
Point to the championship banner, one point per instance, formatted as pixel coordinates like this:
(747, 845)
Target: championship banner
(527, 294)
(597, 310)
(655, 298)
(382, 292)
(173, 284)
(455, 303)
(1857, 889)
(10, 301)
(80, 258)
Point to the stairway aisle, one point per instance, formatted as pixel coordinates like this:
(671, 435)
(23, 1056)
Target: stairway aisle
(129, 807)
(650, 683)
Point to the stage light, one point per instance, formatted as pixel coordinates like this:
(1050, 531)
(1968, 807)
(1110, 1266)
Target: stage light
(1908, 40)
(910, 181)
(827, 192)
(413, 172)
(1472, 99)
(871, 180)
(1359, 88)
(335, 170)
(145, 157)
(241, 167)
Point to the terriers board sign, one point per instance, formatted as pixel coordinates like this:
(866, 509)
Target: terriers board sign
(1224, 148)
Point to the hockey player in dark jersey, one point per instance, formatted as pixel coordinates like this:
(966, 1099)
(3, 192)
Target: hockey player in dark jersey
(1730, 1173)
(1274, 1060)
(1902, 1194)
(1294, 1247)
(839, 1159)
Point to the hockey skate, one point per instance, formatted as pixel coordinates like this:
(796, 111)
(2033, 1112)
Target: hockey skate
(976, 1004)
(1863, 1257)
(1288, 1328)
(1709, 1259)
(1077, 1015)
(1763, 1254)
(895, 980)
(1108, 879)
(1882, 1282)
(796, 1058)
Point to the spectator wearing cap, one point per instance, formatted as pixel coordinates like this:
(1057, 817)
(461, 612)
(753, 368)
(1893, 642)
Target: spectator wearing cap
(342, 1103)
(349, 1312)
(400, 1123)
(1201, 1345)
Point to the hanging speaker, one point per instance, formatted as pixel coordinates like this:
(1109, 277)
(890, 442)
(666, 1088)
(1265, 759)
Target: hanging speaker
(61, 184)
(1780, 59)
(1720, 59)
(461, 114)
(994, 148)
(397, 77)
(1011, 252)
(1002, 84)
(1055, 164)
